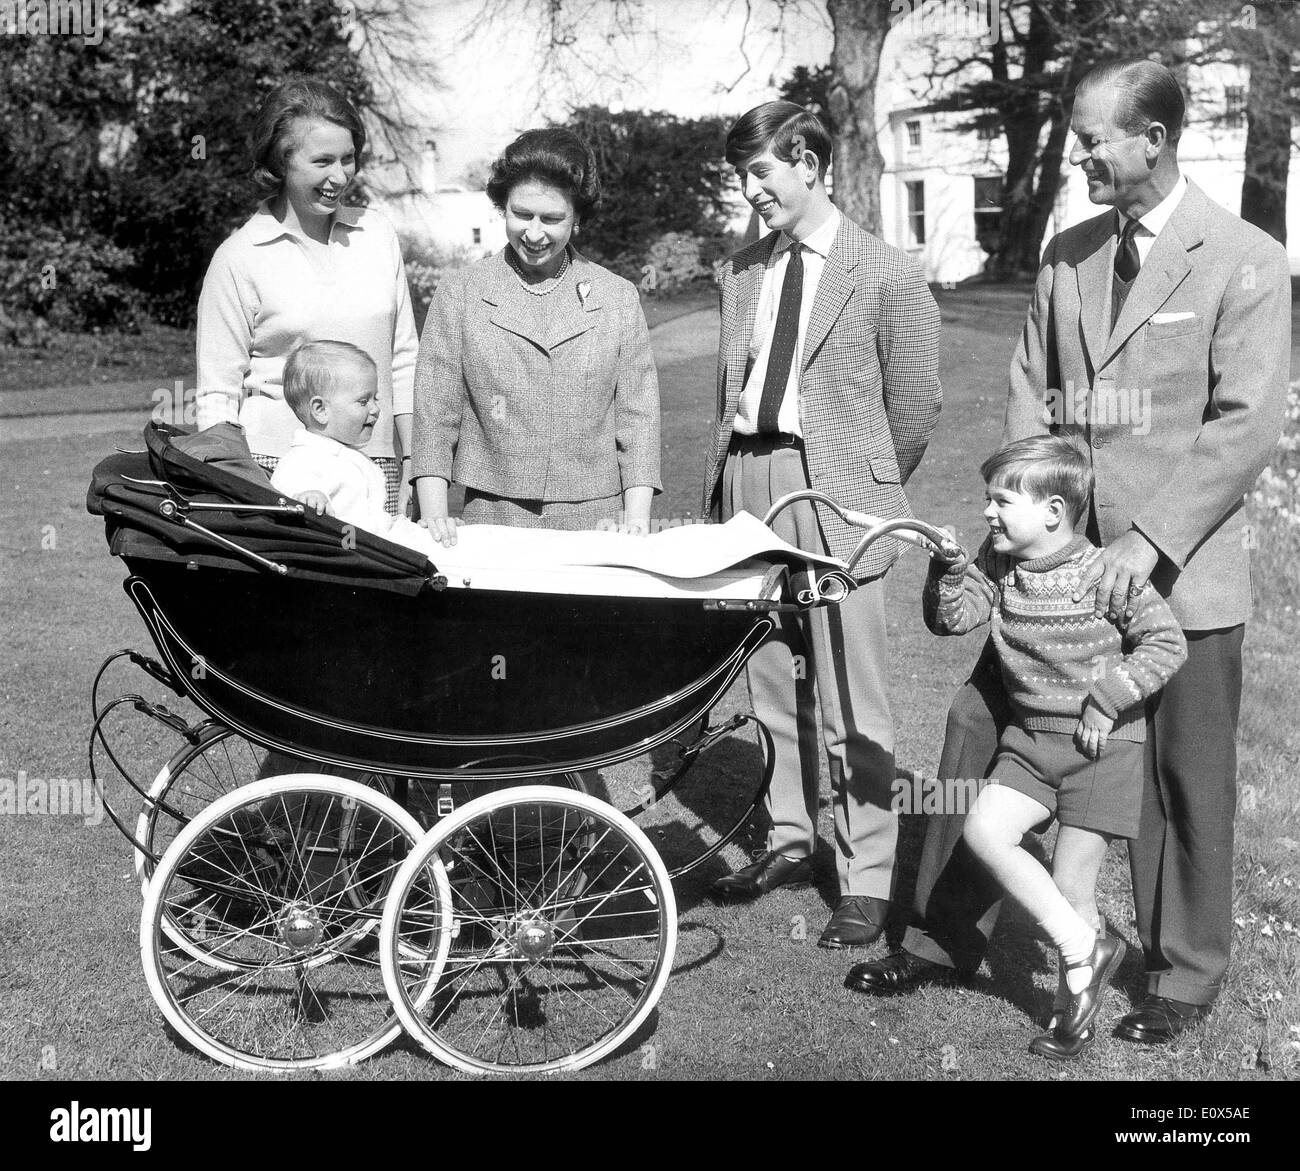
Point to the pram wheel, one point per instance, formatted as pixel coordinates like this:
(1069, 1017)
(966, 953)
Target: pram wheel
(564, 926)
(278, 887)
(221, 762)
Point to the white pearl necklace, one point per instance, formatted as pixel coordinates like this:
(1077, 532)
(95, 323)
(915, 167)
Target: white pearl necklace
(540, 288)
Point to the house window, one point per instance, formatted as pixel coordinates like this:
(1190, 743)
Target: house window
(988, 211)
(1234, 97)
(987, 128)
(913, 134)
(916, 213)
(478, 235)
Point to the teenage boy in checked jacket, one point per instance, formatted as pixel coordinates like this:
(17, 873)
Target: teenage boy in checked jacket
(827, 377)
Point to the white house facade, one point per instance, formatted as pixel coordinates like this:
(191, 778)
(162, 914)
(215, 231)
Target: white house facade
(943, 172)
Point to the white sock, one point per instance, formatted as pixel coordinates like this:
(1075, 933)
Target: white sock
(1075, 939)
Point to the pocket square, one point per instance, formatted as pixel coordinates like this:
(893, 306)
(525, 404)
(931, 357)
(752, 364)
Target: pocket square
(1166, 318)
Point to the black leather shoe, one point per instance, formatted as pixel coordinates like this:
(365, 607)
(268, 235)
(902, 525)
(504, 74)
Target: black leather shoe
(900, 971)
(1052, 1045)
(856, 921)
(1081, 1009)
(1157, 1020)
(759, 878)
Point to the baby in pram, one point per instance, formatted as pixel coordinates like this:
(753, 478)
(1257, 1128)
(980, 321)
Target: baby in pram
(333, 388)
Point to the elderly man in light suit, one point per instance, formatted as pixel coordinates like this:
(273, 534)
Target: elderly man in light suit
(826, 377)
(1160, 333)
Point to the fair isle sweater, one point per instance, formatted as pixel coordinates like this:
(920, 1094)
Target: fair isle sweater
(1054, 653)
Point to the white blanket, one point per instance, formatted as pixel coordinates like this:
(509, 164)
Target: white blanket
(726, 561)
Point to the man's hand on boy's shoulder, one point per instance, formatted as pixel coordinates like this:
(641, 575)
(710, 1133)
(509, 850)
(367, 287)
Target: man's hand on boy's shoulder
(1119, 574)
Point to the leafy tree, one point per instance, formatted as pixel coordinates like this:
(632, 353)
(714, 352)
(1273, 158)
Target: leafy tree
(660, 174)
(1029, 74)
(1264, 37)
(142, 141)
(811, 88)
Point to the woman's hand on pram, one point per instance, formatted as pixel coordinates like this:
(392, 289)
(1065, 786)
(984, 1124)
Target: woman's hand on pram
(442, 528)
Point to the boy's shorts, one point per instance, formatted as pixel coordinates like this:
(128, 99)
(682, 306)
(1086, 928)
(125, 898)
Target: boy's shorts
(1103, 795)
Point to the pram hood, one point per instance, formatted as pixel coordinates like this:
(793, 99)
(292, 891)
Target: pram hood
(129, 489)
(145, 496)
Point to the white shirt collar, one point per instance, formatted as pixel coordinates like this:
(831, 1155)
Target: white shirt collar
(1155, 220)
(324, 444)
(819, 241)
(264, 227)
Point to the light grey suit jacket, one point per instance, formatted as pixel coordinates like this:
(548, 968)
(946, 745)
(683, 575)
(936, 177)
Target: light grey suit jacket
(869, 394)
(1181, 404)
(536, 398)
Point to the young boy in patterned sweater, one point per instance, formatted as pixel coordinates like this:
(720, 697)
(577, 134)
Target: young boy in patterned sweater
(1077, 684)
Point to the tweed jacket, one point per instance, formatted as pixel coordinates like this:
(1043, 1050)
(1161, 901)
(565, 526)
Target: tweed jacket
(869, 393)
(1181, 404)
(552, 402)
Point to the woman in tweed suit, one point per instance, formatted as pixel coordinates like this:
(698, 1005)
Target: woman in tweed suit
(535, 386)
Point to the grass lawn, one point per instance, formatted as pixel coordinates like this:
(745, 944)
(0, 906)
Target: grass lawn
(752, 997)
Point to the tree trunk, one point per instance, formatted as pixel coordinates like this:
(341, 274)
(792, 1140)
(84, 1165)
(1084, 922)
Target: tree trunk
(1268, 126)
(1049, 185)
(1022, 115)
(860, 28)
(1022, 123)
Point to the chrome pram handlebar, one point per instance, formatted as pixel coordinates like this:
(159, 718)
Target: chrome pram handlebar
(936, 542)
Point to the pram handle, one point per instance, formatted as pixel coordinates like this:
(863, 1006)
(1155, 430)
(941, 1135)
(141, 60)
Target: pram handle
(933, 540)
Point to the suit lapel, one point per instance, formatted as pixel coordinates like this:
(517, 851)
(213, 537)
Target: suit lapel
(749, 284)
(580, 304)
(1093, 276)
(1165, 269)
(509, 312)
(513, 309)
(833, 291)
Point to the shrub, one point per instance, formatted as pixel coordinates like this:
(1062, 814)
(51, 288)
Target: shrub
(425, 264)
(680, 260)
(68, 283)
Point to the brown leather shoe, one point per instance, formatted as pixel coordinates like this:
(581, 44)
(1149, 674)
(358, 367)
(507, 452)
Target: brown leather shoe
(856, 921)
(900, 971)
(1157, 1020)
(772, 870)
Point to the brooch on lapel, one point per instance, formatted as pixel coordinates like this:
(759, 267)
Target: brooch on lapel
(584, 291)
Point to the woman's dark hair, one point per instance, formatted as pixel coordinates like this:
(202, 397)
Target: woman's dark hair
(557, 157)
(775, 126)
(1147, 91)
(272, 138)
